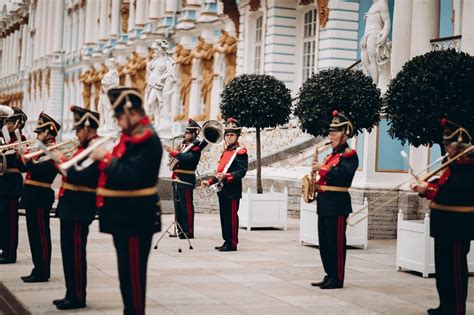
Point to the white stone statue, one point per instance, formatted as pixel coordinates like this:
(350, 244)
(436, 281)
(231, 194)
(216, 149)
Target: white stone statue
(375, 45)
(160, 86)
(110, 80)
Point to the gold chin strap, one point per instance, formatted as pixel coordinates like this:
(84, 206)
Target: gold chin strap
(458, 132)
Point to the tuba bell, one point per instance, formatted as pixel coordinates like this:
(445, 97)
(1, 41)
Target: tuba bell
(213, 132)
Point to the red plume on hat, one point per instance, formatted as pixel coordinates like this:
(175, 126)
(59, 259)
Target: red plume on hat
(334, 113)
(444, 121)
(230, 120)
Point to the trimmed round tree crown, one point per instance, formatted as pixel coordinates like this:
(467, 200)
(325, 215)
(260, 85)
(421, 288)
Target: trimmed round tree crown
(342, 90)
(256, 100)
(429, 87)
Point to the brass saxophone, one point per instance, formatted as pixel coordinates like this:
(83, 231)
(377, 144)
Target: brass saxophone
(309, 181)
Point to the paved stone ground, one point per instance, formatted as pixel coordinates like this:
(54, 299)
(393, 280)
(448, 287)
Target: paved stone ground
(270, 274)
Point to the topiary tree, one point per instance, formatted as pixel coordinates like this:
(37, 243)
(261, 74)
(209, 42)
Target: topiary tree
(348, 91)
(429, 87)
(258, 101)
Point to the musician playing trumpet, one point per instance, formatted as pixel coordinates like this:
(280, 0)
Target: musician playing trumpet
(37, 199)
(77, 210)
(452, 219)
(232, 167)
(183, 162)
(333, 200)
(11, 186)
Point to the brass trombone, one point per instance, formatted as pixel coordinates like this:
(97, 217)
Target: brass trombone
(12, 148)
(396, 188)
(65, 147)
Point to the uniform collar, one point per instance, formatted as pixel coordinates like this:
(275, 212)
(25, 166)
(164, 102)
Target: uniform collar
(232, 146)
(340, 148)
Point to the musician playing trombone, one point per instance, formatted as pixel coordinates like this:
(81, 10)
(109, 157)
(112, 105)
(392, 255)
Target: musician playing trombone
(333, 200)
(37, 199)
(452, 219)
(184, 161)
(77, 210)
(11, 186)
(232, 167)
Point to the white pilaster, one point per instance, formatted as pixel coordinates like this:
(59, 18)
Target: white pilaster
(154, 11)
(468, 27)
(401, 36)
(104, 20)
(24, 48)
(140, 14)
(81, 31)
(425, 26)
(43, 18)
(92, 14)
(74, 32)
(3, 56)
(50, 33)
(131, 16)
(114, 23)
(457, 8)
(59, 15)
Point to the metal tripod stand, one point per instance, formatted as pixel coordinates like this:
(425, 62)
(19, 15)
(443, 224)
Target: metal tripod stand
(177, 229)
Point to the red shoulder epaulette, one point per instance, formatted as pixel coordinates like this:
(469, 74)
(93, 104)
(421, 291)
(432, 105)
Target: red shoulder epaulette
(242, 151)
(348, 153)
(142, 137)
(195, 148)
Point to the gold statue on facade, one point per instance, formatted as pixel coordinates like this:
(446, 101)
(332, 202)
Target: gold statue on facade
(96, 81)
(184, 58)
(205, 52)
(136, 69)
(227, 45)
(86, 79)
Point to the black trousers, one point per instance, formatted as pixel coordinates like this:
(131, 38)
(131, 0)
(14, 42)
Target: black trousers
(132, 256)
(39, 235)
(73, 249)
(332, 245)
(452, 274)
(184, 208)
(228, 208)
(9, 227)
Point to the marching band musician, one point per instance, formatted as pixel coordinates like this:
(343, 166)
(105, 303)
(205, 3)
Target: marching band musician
(77, 210)
(188, 157)
(11, 188)
(333, 200)
(37, 199)
(452, 220)
(127, 193)
(231, 169)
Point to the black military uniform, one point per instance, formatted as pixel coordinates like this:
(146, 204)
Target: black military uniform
(11, 186)
(334, 204)
(234, 164)
(77, 210)
(187, 156)
(37, 199)
(127, 197)
(452, 224)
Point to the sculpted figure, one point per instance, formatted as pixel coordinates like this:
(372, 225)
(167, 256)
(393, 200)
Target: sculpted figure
(228, 46)
(96, 81)
(375, 45)
(136, 69)
(86, 79)
(110, 80)
(205, 52)
(160, 86)
(184, 58)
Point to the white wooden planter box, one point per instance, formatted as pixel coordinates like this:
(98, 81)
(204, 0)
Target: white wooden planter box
(355, 235)
(269, 209)
(415, 247)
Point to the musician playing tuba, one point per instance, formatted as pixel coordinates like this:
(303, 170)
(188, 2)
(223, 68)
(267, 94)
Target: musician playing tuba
(77, 210)
(183, 163)
(452, 219)
(333, 200)
(232, 167)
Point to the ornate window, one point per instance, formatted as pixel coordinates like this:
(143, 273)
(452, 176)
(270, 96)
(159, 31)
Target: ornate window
(258, 45)
(309, 43)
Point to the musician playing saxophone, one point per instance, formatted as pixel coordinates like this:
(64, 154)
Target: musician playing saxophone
(231, 169)
(187, 158)
(334, 202)
(452, 220)
(76, 210)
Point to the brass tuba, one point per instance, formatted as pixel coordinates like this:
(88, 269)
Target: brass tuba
(213, 132)
(308, 190)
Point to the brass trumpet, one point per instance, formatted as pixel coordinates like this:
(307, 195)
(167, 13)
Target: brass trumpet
(12, 148)
(66, 147)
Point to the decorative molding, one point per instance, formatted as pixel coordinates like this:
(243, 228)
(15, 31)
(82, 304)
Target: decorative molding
(255, 5)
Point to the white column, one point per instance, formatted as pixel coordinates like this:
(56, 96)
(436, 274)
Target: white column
(425, 25)
(59, 15)
(43, 18)
(401, 35)
(171, 6)
(468, 27)
(81, 30)
(140, 13)
(154, 10)
(131, 16)
(457, 8)
(114, 23)
(92, 14)
(24, 48)
(52, 29)
(104, 20)
(10, 51)
(37, 26)
(3, 57)
(74, 32)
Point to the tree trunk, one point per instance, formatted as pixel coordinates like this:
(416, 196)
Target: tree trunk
(259, 162)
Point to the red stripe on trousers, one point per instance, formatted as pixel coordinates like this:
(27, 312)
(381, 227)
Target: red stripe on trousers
(457, 276)
(234, 222)
(43, 241)
(190, 212)
(340, 248)
(135, 274)
(78, 260)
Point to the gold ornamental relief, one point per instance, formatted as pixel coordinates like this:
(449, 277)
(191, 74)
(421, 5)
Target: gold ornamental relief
(227, 45)
(205, 52)
(184, 58)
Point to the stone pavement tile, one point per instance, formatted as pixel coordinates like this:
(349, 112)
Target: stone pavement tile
(205, 310)
(320, 304)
